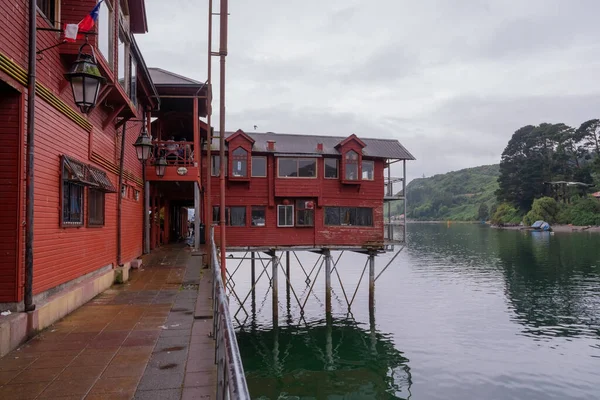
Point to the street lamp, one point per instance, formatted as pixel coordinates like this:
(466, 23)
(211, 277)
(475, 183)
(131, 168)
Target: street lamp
(85, 79)
(143, 144)
(161, 166)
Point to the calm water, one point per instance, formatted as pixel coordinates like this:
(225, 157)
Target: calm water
(464, 312)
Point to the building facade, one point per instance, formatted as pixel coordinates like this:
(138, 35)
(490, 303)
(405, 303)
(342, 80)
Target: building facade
(78, 161)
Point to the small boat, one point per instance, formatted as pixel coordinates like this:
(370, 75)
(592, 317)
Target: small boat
(541, 226)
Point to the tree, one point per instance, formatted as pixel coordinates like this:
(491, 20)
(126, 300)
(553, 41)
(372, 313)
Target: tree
(589, 135)
(483, 212)
(545, 209)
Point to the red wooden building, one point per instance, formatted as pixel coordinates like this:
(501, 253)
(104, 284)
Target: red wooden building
(77, 229)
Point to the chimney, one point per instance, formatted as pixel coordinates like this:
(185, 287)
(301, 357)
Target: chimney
(270, 145)
(319, 146)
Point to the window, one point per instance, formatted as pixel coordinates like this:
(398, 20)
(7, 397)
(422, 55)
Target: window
(368, 170)
(124, 191)
(72, 207)
(259, 167)
(239, 165)
(49, 9)
(136, 195)
(297, 167)
(238, 216)
(348, 216)
(123, 58)
(331, 168)
(95, 207)
(217, 215)
(351, 164)
(133, 81)
(234, 216)
(305, 213)
(285, 215)
(259, 216)
(105, 25)
(216, 166)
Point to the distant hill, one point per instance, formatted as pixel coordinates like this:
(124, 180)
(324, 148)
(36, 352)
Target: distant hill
(454, 196)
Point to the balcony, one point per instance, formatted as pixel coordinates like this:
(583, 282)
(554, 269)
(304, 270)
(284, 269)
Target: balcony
(181, 161)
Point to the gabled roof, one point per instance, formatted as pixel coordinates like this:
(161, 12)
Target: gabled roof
(350, 138)
(307, 144)
(167, 78)
(238, 133)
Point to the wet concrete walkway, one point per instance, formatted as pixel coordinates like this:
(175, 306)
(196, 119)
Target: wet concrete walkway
(138, 340)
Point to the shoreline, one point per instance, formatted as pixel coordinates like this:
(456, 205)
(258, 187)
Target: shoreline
(555, 228)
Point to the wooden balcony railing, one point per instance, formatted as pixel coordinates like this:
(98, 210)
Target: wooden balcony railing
(176, 153)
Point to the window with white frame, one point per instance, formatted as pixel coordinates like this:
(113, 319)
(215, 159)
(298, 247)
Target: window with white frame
(297, 167)
(259, 215)
(368, 170)
(259, 167)
(305, 213)
(133, 80)
(216, 166)
(105, 24)
(285, 215)
(351, 165)
(331, 168)
(123, 57)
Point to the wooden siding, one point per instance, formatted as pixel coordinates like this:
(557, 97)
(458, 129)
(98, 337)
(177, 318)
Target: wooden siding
(10, 130)
(63, 254)
(272, 191)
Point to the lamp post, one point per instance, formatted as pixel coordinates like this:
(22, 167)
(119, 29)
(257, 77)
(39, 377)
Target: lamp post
(85, 79)
(143, 144)
(161, 166)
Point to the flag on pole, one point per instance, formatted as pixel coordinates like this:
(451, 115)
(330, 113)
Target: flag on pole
(72, 31)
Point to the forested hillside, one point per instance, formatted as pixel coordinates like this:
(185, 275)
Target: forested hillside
(465, 195)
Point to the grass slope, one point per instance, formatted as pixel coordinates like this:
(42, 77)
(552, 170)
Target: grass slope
(454, 196)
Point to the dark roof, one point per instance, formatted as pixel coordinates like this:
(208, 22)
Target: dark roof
(307, 144)
(162, 77)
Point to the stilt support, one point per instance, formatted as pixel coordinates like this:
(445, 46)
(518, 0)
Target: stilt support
(275, 265)
(371, 280)
(327, 256)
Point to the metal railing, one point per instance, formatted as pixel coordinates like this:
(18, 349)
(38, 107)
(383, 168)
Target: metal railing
(175, 153)
(231, 381)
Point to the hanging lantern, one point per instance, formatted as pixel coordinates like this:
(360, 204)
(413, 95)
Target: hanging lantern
(161, 166)
(143, 143)
(85, 79)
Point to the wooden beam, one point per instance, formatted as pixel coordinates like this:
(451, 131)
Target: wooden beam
(103, 93)
(121, 122)
(111, 117)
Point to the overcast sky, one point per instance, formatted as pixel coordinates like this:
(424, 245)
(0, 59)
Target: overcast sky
(452, 80)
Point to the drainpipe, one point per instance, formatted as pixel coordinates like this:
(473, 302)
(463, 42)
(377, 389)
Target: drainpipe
(146, 199)
(120, 199)
(29, 306)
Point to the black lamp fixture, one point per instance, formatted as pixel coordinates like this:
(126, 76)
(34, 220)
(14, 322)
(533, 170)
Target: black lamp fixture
(143, 143)
(85, 79)
(161, 166)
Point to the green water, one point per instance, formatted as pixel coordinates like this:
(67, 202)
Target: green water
(464, 312)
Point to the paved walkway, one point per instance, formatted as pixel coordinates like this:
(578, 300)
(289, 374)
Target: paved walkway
(138, 340)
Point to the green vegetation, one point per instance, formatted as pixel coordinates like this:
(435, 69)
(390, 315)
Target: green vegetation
(465, 195)
(537, 155)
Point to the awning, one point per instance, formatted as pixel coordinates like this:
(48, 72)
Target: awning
(86, 175)
(101, 179)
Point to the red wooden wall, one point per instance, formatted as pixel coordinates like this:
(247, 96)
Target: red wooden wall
(10, 133)
(272, 191)
(63, 254)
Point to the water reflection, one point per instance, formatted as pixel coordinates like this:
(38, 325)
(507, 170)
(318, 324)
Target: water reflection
(331, 358)
(552, 281)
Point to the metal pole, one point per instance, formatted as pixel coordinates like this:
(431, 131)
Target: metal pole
(275, 262)
(327, 255)
(222, 54)
(29, 306)
(287, 274)
(120, 198)
(208, 211)
(197, 216)
(405, 198)
(389, 203)
(146, 212)
(253, 283)
(371, 280)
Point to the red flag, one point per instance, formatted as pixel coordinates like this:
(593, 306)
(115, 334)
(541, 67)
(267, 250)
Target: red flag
(72, 32)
